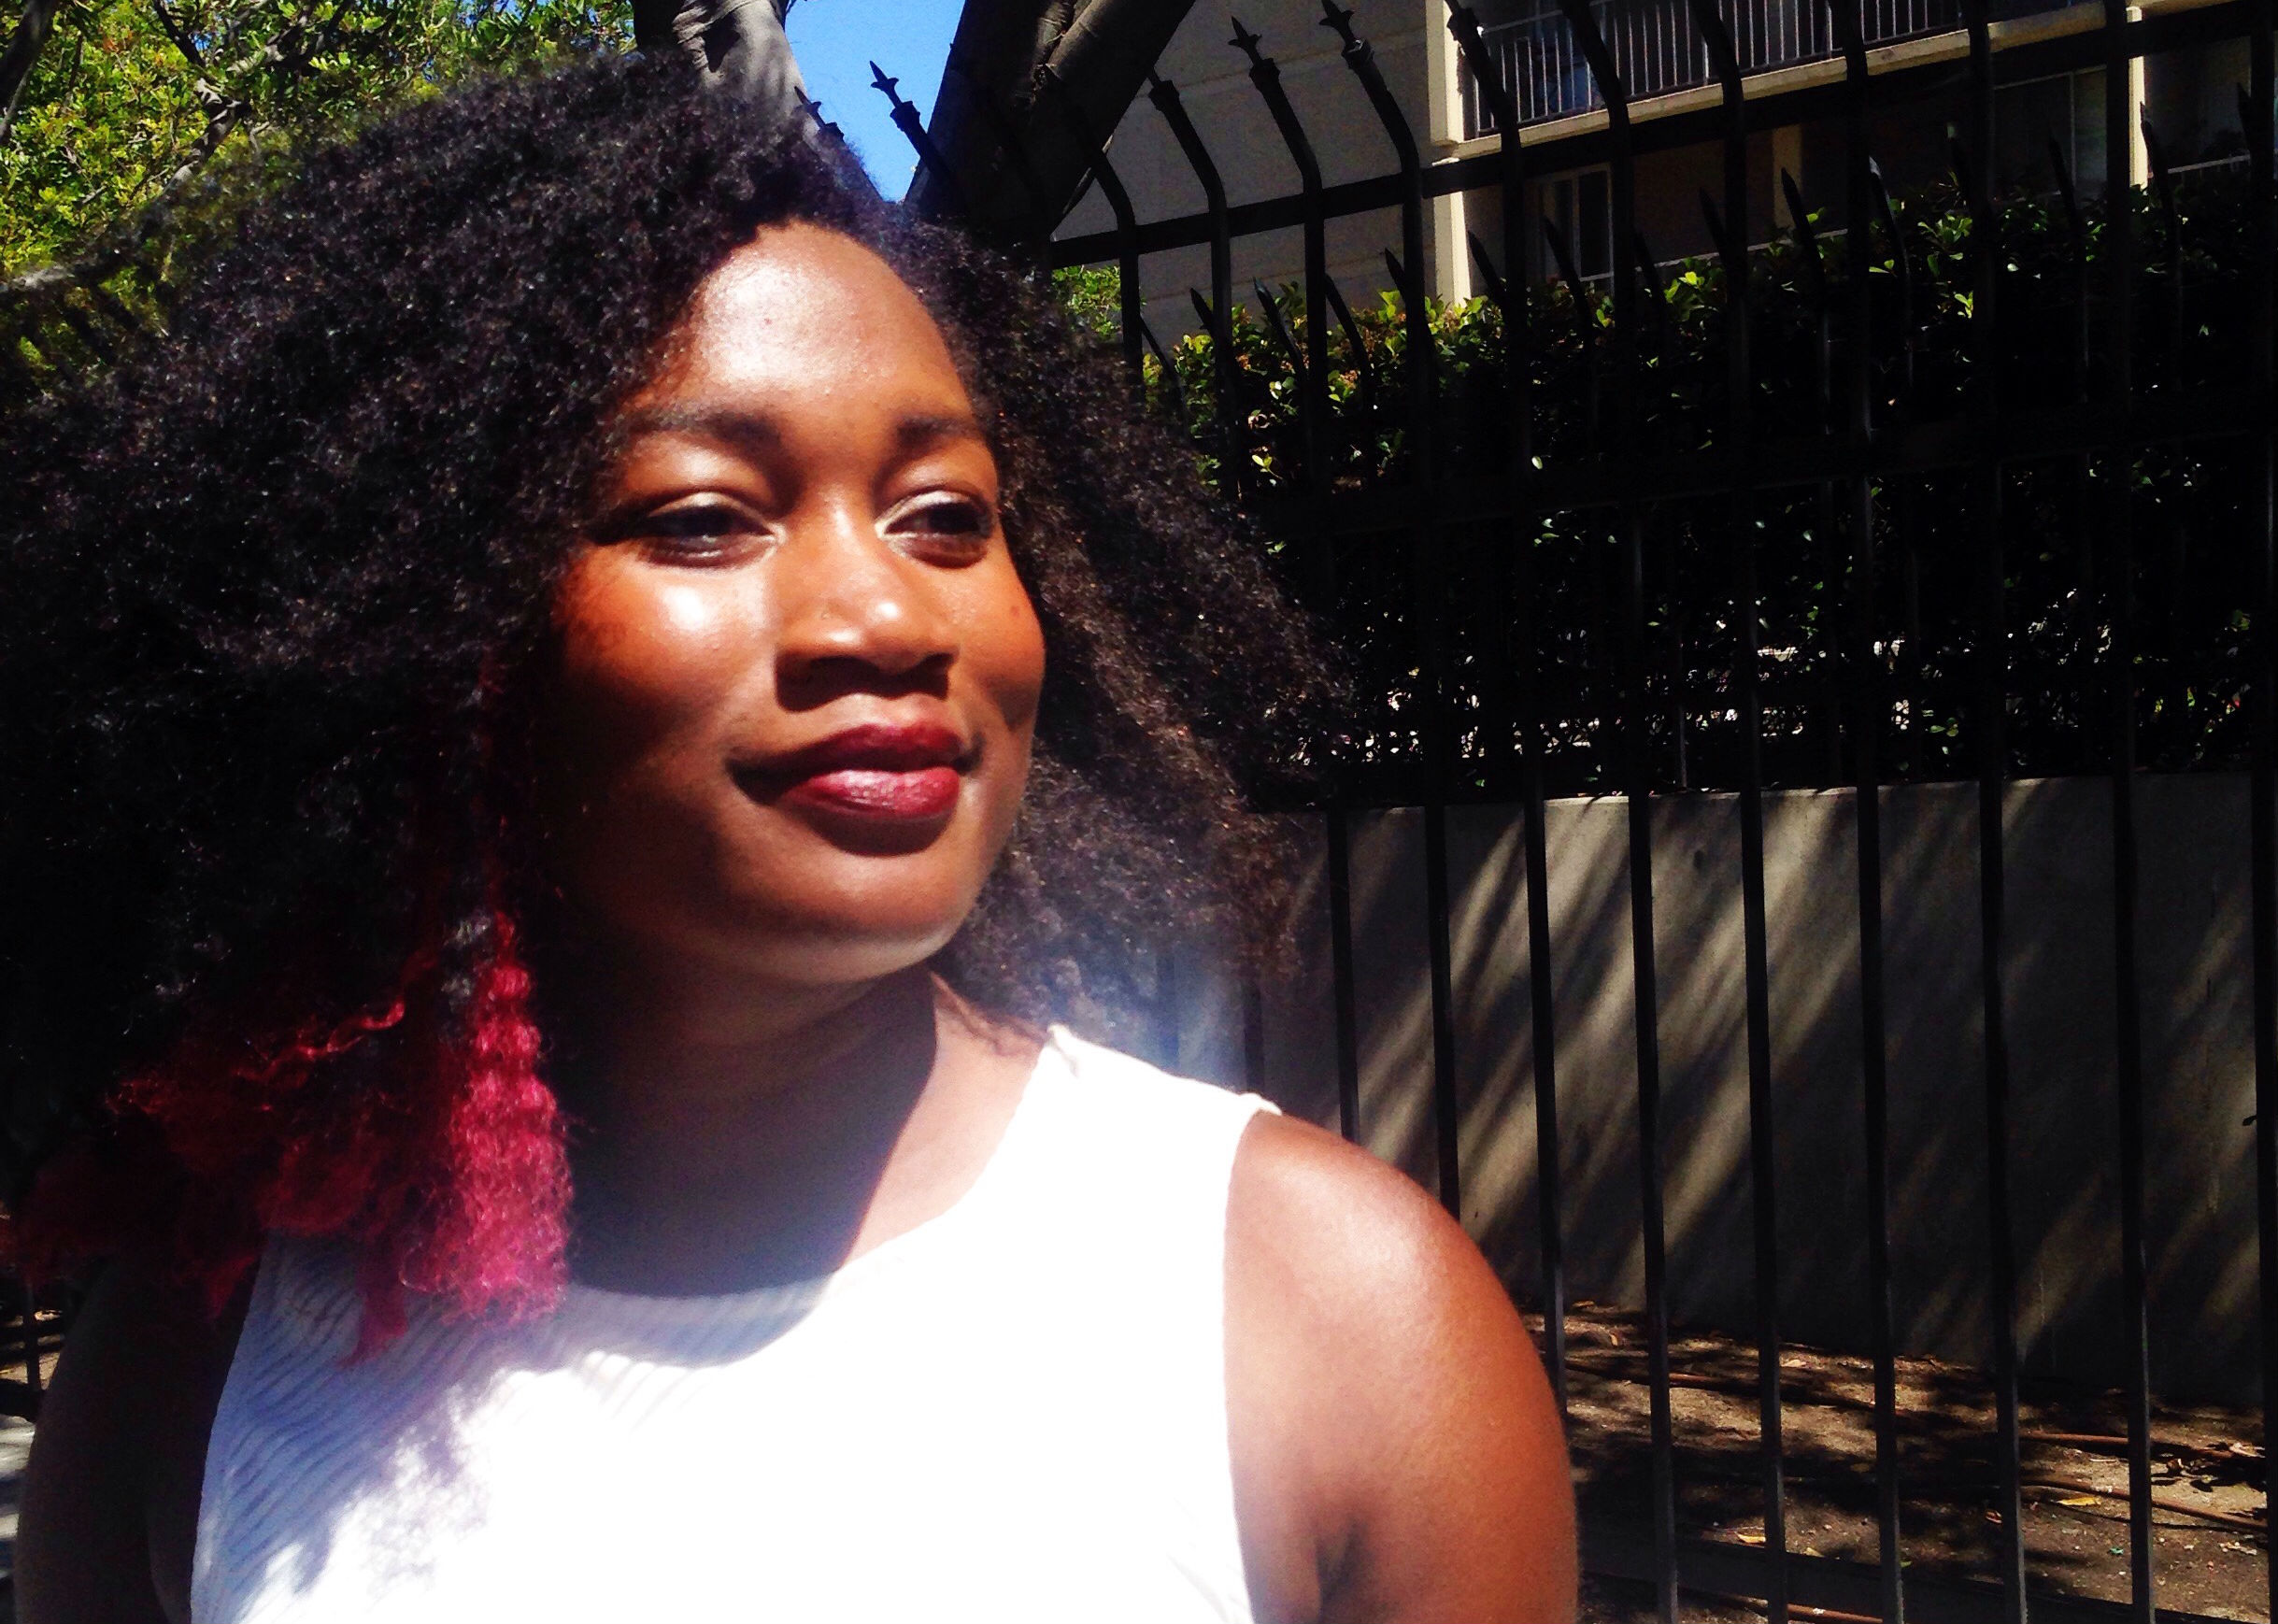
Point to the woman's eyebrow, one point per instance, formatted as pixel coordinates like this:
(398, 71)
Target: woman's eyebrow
(733, 427)
(919, 429)
(728, 426)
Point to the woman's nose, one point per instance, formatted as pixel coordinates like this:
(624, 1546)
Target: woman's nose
(855, 613)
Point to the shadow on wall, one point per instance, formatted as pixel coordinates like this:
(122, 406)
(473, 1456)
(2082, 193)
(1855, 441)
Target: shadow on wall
(2061, 994)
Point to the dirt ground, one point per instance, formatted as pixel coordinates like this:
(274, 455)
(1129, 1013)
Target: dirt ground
(1618, 1602)
(2209, 1480)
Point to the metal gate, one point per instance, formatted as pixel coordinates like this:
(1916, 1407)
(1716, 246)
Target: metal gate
(1441, 579)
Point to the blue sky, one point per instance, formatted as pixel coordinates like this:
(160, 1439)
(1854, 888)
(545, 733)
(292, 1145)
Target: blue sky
(836, 41)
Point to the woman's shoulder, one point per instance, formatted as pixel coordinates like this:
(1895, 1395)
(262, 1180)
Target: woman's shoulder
(111, 1493)
(1366, 1251)
(1341, 1211)
(1332, 1240)
(1113, 1080)
(1055, 1083)
(1397, 1450)
(1139, 1149)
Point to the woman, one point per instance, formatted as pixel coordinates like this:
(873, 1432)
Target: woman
(557, 728)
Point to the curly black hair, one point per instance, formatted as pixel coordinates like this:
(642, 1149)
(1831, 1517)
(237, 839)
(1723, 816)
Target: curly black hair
(276, 581)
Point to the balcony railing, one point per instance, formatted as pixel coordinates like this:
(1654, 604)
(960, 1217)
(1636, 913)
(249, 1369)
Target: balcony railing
(1658, 50)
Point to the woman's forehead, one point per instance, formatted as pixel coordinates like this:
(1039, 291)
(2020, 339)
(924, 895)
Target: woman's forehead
(806, 304)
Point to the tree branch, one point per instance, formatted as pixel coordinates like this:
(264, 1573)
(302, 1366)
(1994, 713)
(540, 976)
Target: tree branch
(182, 42)
(223, 114)
(24, 49)
(1099, 51)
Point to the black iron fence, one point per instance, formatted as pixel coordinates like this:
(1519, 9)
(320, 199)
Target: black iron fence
(1813, 530)
(1925, 473)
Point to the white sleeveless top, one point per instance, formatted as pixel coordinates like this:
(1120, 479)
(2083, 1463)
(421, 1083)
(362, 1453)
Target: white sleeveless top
(1012, 1414)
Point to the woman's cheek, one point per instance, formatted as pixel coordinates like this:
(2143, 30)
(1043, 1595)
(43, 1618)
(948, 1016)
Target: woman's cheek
(1016, 655)
(641, 642)
(1017, 685)
(688, 613)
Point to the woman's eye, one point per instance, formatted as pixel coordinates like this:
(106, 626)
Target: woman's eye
(696, 528)
(953, 522)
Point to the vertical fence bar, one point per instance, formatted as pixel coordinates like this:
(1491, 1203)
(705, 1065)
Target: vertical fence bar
(1729, 227)
(1637, 740)
(2262, 93)
(1562, 251)
(2128, 1034)
(1906, 502)
(1006, 130)
(1253, 1032)
(1815, 289)
(1313, 411)
(1341, 964)
(1992, 699)
(1223, 376)
(1225, 385)
(1130, 304)
(1866, 705)
(1428, 570)
(2126, 994)
(1340, 879)
(1312, 385)
(1526, 660)
(29, 1304)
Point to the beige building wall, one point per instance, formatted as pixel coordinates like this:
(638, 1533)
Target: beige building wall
(1214, 81)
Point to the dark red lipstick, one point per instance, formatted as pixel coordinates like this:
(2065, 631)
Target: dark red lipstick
(880, 772)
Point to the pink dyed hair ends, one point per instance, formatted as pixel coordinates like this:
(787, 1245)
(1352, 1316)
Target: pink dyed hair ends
(451, 1180)
(499, 1227)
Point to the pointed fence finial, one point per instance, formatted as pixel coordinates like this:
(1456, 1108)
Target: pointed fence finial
(1400, 275)
(1713, 218)
(1799, 217)
(1489, 276)
(1277, 325)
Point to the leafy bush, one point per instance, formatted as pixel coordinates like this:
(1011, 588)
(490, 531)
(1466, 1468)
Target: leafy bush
(1892, 636)
(132, 97)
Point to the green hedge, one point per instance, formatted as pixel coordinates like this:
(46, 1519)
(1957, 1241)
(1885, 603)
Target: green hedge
(2190, 505)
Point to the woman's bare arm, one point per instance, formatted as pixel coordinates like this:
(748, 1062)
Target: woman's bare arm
(1398, 1455)
(111, 1500)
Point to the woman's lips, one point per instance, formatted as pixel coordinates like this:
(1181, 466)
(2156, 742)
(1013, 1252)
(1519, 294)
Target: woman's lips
(878, 774)
(915, 795)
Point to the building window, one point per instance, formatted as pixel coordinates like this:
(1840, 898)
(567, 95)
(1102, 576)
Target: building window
(2064, 113)
(1577, 208)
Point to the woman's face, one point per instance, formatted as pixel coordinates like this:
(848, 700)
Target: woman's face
(798, 671)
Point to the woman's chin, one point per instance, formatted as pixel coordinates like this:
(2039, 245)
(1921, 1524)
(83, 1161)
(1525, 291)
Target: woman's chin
(863, 939)
(861, 830)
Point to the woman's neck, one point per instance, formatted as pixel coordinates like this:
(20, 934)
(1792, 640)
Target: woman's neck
(720, 1147)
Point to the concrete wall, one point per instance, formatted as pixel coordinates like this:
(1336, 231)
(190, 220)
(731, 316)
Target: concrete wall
(2196, 976)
